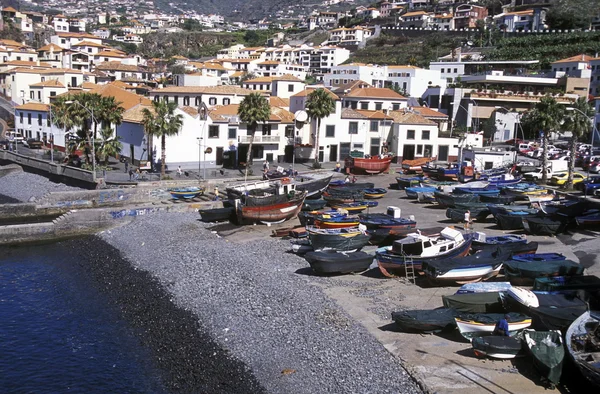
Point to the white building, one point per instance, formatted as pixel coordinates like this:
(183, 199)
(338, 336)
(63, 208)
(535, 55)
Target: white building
(60, 23)
(528, 20)
(349, 35)
(195, 96)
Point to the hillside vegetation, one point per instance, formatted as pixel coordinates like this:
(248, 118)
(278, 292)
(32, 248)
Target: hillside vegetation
(189, 44)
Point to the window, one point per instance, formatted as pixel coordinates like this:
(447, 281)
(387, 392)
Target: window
(395, 107)
(21, 117)
(289, 131)
(39, 119)
(29, 118)
(213, 131)
(456, 71)
(428, 150)
(226, 101)
(410, 134)
(197, 101)
(364, 105)
(32, 95)
(39, 95)
(290, 88)
(232, 133)
(330, 131)
(442, 70)
(374, 126)
(212, 101)
(378, 106)
(358, 146)
(266, 129)
(176, 100)
(425, 134)
(52, 94)
(186, 100)
(156, 98)
(166, 98)
(353, 128)
(419, 149)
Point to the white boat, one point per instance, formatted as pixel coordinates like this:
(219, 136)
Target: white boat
(582, 344)
(524, 297)
(484, 323)
(483, 287)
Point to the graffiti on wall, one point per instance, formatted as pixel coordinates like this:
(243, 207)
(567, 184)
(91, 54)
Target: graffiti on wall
(132, 212)
(111, 196)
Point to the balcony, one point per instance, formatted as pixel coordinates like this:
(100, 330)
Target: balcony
(260, 139)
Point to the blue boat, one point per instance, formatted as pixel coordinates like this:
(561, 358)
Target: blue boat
(487, 191)
(185, 192)
(412, 192)
(381, 220)
(482, 241)
(403, 183)
(450, 172)
(377, 192)
(356, 207)
(540, 257)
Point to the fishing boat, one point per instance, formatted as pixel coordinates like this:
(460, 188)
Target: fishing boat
(556, 311)
(425, 197)
(548, 352)
(413, 192)
(327, 221)
(274, 213)
(370, 165)
(483, 324)
(416, 248)
(217, 214)
(313, 184)
(450, 200)
(381, 220)
(474, 268)
(590, 220)
(533, 257)
(458, 215)
(343, 196)
(481, 241)
(313, 205)
(415, 165)
(511, 209)
(483, 287)
(523, 190)
(505, 179)
(566, 283)
(450, 172)
(355, 207)
(340, 185)
(343, 239)
(425, 320)
(375, 193)
(387, 236)
(403, 183)
(308, 218)
(511, 220)
(583, 339)
(499, 199)
(185, 193)
(335, 262)
(430, 170)
(524, 272)
(301, 246)
(542, 197)
(480, 191)
(488, 302)
(544, 225)
(524, 297)
(499, 347)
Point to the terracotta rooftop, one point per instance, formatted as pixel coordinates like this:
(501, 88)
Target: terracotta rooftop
(260, 80)
(50, 83)
(349, 113)
(407, 117)
(279, 102)
(428, 112)
(125, 98)
(117, 66)
(577, 58)
(222, 112)
(88, 44)
(51, 47)
(33, 107)
(307, 91)
(383, 93)
(135, 114)
(192, 111)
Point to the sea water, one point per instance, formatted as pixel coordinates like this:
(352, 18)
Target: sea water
(59, 334)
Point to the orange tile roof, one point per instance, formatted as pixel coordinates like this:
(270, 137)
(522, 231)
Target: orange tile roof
(222, 89)
(279, 102)
(192, 111)
(8, 9)
(50, 83)
(26, 63)
(260, 80)
(33, 107)
(407, 117)
(89, 85)
(76, 35)
(117, 66)
(428, 112)
(288, 78)
(383, 93)
(277, 114)
(526, 12)
(576, 58)
(88, 44)
(110, 53)
(135, 114)
(125, 98)
(51, 47)
(415, 13)
(308, 90)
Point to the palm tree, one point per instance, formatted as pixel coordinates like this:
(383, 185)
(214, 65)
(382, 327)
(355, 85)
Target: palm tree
(107, 111)
(578, 121)
(110, 144)
(254, 108)
(319, 104)
(162, 122)
(72, 117)
(547, 116)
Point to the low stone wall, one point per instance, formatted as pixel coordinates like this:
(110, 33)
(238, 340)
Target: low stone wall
(9, 169)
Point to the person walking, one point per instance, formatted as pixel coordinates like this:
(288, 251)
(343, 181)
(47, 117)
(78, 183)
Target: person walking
(501, 328)
(216, 193)
(467, 220)
(130, 174)
(179, 171)
(126, 165)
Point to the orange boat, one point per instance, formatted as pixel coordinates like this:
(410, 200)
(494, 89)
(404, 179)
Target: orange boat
(371, 165)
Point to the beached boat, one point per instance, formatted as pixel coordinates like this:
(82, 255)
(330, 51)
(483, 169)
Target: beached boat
(343, 196)
(481, 241)
(494, 346)
(403, 183)
(425, 197)
(505, 179)
(548, 352)
(450, 200)
(425, 320)
(524, 297)
(308, 218)
(335, 262)
(327, 221)
(450, 172)
(556, 311)
(488, 302)
(511, 220)
(416, 248)
(533, 257)
(370, 165)
(375, 193)
(340, 185)
(355, 207)
(483, 287)
(217, 214)
(583, 345)
(343, 239)
(566, 283)
(458, 215)
(387, 236)
(313, 184)
(590, 220)
(430, 170)
(544, 225)
(184, 193)
(301, 246)
(474, 268)
(313, 205)
(482, 324)
(274, 213)
(381, 220)
(413, 192)
(524, 272)
(542, 197)
(415, 165)
(481, 191)
(499, 199)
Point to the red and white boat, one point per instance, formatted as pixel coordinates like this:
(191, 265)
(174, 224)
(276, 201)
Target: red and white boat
(371, 165)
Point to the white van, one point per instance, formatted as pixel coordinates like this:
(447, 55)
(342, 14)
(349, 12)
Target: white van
(14, 136)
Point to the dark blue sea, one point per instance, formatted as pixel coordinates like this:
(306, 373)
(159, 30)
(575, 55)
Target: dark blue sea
(59, 333)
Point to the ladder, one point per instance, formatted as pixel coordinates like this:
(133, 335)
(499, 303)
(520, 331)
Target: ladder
(409, 269)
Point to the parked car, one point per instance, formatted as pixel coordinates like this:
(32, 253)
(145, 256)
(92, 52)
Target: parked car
(590, 185)
(594, 167)
(514, 141)
(32, 143)
(561, 179)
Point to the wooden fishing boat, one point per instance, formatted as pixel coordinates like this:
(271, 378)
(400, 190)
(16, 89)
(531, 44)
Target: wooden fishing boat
(182, 193)
(511, 220)
(313, 184)
(416, 248)
(301, 246)
(403, 183)
(480, 191)
(524, 272)
(425, 197)
(340, 185)
(556, 311)
(313, 205)
(524, 297)
(533, 257)
(411, 166)
(489, 302)
(499, 199)
(562, 283)
(375, 193)
(299, 232)
(335, 222)
(482, 324)
(387, 236)
(274, 212)
(308, 218)
(355, 207)
(590, 220)
(474, 268)
(499, 347)
(370, 165)
(458, 215)
(450, 172)
(542, 197)
(583, 339)
(343, 196)
(511, 210)
(343, 239)
(450, 200)
(544, 225)
(481, 241)
(505, 179)
(430, 170)
(217, 214)
(334, 262)
(412, 192)
(548, 352)
(425, 320)
(381, 220)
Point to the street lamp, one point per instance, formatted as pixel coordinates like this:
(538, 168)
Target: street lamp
(517, 117)
(476, 106)
(91, 112)
(51, 134)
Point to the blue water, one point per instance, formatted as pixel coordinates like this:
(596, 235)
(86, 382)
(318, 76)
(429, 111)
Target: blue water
(58, 334)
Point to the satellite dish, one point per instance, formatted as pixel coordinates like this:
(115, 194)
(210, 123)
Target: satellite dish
(301, 116)
(470, 43)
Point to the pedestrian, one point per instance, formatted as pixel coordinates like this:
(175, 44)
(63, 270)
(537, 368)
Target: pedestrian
(137, 174)
(130, 174)
(179, 171)
(338, 167)
(216, 193)
(501, 328)
(126, 165)
(265, 166)
(467, 220)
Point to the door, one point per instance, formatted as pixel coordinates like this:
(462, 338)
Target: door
(73, 82)
(131, 153)
(344, 150)
(333, 153)
(321, 154)
(408, 152)
(220, 156)
(443, 153)
(375, 148)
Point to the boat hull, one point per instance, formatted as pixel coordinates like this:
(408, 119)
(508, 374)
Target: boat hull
(274, 212)
(333, 262)
(216, 215)
(548, 353)
(497, 347)
(373, 165)
(581, 351)
(425, 321)
(471, 326)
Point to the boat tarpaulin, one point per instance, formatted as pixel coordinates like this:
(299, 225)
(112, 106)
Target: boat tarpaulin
(475, 302)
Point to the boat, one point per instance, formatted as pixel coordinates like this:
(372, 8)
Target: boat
(308, 218)
(532, 257)
(590, 220)
(375, 193)
(313, 184)
(386, 236)
(524, 297)
(489, 302)
(505, 179)
(544, 225)
(355, 207)
(483, 287)
(511, 220)
(313, 205)
(474, 268)
(413, 192)
(480, 191)
(216, 214)
(458, 215)
(274, 213)
(425, 197)
(562, 283)
(335, 262)
(340, 185)
(499, 199)
(548, 352)
(556, 311)
(369, 165)
(185, 193)
(301, 246)
(343, 239)
(416, 248)
(450, 172)
(481, 241)
(381, 220)
(343, 196)
(403, 183)
(425, 320)
(495, 346)
(542, 197)
(483, 324)
(496, 209)
(430, 170)
(524, 272)
(296, 232)
(415, 165)
(450, 200)
(583, 345)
